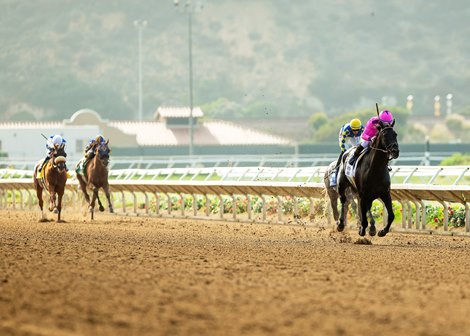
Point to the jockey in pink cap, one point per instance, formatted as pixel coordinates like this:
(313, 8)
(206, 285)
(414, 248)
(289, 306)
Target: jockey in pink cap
(371, 130)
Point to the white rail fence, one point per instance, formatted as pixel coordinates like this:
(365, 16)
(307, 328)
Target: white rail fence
(415, 188)
(274, 160)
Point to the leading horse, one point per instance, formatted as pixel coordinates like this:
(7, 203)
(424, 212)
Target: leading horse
(53, 180)
(96, 177)
(371, 179)
(333, 195)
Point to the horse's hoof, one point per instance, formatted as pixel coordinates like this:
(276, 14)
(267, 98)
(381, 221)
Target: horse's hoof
(43, 220)
(61, 221)
(111, 210)
(362, 231)
(340, 227)
(372, 231)
(101, 208)
(383, 232)
(56, 211)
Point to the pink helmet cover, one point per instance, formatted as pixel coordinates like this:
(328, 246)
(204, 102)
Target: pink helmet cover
(386, 116)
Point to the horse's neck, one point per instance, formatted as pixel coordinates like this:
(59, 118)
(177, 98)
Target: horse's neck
(98, 163)
(50, 163)
(378, 156)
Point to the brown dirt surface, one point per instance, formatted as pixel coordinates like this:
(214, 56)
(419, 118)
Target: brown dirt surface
(155, 276)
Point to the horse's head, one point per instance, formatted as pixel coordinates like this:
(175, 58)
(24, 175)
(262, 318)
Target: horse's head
(387, 140)
(102, 152)
(59, 158)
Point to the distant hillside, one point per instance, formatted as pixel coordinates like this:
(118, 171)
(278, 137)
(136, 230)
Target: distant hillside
(252, 59)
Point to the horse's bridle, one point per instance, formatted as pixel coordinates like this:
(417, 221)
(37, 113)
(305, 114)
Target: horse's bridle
(99, 150)
(388, 149)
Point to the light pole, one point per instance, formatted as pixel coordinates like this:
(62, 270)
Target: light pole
(140, 25)
(437, 106)
(449, 104)
(190, 8)
(409, 103)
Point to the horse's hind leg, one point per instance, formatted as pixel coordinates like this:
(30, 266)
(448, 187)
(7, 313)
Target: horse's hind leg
(387, 199)
(83, 187)
(333, 195)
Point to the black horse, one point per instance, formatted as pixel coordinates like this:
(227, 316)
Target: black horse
(371, 178)
(333, 195)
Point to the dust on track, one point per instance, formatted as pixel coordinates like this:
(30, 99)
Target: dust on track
(156, 276)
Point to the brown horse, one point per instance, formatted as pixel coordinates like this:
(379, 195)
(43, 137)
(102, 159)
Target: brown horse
(53, 181)
(96, 177)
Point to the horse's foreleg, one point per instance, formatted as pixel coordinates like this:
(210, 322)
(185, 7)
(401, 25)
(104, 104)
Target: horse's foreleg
(52, 199)
(343, 210)
(93, 200)
(39, 195)
(372, 229)
(364, 208)
(59, 206)
(108, 197)
(387, 199)
(100, 206)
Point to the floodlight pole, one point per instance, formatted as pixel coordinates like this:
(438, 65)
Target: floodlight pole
(140, 25)
(190, 8)
(190, 53)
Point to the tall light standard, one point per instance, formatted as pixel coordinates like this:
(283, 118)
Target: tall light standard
(449, 104)
(190, 8)
(140, 25)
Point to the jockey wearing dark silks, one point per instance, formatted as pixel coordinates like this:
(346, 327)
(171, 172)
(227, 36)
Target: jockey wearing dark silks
(90, 149)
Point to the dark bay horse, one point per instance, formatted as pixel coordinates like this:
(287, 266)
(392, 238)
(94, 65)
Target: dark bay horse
(54, 177)
(371, 178)
(333, 195)
(96, 177)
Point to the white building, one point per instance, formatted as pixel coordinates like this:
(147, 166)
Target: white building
(168, 133)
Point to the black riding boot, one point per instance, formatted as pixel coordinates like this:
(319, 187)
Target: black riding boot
(339, 161)
(43, 163)
(334, 172)
(358, 151)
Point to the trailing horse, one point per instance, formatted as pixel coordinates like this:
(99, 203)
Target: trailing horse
(53, 180)
(371, 178)
(96, 177)
(350, 198)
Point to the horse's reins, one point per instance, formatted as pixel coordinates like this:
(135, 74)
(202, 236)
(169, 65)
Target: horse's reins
(387, 150)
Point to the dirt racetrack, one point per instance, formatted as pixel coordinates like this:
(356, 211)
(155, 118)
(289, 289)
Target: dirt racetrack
(156, 276)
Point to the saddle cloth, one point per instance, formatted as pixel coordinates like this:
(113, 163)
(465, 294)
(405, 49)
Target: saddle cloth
(350, 169)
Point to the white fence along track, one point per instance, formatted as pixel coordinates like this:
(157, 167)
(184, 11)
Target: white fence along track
(413, 187)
